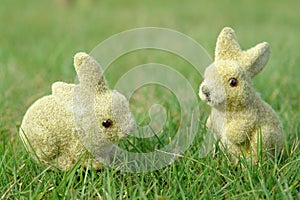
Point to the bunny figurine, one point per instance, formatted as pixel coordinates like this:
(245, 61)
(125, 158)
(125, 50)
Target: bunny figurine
(77, 119)
(239, 117)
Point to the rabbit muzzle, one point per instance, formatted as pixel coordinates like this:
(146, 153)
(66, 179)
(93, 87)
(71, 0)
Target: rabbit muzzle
(204, 93)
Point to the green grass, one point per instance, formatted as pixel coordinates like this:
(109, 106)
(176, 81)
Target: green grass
(38, 40)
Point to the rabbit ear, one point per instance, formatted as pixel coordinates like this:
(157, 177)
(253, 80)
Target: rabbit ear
(253, 60)
(227, 47)
(63, 94)
(89, 72)
(258, 57)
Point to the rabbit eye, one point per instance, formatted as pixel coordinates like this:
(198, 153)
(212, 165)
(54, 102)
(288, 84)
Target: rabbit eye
(107, 123)
(233, 82)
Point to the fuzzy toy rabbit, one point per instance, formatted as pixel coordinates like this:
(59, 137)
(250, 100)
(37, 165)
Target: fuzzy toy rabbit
(76, 119)
(239, 117)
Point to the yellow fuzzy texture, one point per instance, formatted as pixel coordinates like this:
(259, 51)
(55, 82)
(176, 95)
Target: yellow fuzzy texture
(59, 128)
(239, 117)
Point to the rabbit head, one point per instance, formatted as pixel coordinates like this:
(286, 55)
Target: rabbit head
(102, 113)
(227, 82)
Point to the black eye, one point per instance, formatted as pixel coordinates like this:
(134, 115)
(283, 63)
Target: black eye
(233, 82)
(107, 123)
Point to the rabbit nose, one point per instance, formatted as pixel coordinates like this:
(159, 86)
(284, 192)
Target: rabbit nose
(205, 90)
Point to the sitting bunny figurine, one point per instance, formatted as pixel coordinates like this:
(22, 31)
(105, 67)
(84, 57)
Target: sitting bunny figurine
(77, 118)
(239, 117)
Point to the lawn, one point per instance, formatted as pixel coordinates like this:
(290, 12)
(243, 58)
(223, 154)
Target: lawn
(38, 40)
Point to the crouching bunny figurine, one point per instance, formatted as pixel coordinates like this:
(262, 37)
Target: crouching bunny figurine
(239, 117)
(76, 119)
